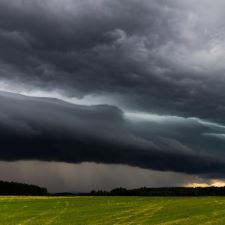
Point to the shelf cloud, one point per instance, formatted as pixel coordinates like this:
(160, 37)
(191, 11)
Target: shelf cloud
(53, 130)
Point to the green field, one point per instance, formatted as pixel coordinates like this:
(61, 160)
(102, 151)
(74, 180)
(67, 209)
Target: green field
(112, 210)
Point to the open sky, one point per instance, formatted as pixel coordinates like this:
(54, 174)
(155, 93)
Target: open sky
(96, 94)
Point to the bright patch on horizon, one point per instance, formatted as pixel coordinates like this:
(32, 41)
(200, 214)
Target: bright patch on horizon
(211, 183)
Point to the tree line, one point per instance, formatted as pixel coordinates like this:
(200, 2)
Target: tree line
(14, 188)
(170, 191)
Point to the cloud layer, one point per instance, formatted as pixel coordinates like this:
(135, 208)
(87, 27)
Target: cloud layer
(157, 56)
(52, 130)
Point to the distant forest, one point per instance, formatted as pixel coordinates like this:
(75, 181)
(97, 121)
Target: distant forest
(14, 188)
(171, 191)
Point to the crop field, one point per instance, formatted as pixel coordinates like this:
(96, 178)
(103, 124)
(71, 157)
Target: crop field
(111, 210)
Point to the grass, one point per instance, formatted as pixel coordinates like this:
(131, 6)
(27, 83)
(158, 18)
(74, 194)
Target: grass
(112, 210)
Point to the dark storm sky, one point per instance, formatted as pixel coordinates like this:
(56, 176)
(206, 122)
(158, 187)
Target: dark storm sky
(129, 82)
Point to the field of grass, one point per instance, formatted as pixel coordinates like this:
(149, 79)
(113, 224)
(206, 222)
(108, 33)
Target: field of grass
(112, 210)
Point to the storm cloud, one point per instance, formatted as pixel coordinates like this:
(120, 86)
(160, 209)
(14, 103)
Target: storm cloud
(139, 83)
(52, 130)
(156, 56)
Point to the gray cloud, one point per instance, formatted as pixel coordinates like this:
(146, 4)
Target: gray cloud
(156, 56)
(52, 130)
